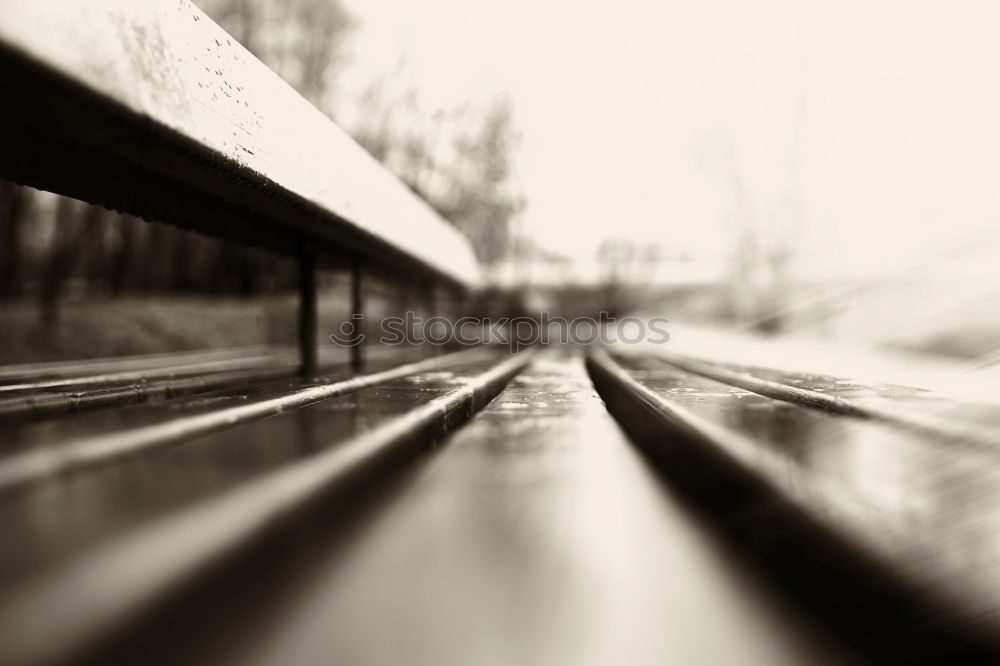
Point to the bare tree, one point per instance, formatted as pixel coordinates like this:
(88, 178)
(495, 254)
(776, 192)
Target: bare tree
(459, 160)
(301, 40)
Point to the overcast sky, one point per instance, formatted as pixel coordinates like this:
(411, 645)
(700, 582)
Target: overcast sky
(867, 127)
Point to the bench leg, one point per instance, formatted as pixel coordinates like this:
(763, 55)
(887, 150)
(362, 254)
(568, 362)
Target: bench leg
(433, 306)
(307, 313)
(357, 311)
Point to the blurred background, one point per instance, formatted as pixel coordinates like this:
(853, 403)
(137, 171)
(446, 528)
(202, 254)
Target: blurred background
(783, 167)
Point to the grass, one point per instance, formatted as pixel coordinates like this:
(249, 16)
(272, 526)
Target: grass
(106, 327)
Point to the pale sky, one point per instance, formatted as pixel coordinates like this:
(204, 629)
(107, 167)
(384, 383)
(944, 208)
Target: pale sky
(866, 128)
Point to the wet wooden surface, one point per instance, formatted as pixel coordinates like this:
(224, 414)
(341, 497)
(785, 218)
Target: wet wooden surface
(926, 501)
(51, 517)
(88, 553)
(536, 535)
(55, 390)
(916, 503)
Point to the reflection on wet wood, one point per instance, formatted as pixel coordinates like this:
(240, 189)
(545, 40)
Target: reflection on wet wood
(908, 515)
(111, 383)
(536, 536)
(962, 422)
(69, 583)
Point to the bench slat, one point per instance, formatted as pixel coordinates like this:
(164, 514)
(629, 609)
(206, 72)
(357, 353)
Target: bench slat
(121, 579)
(22, 469)
(849, 513)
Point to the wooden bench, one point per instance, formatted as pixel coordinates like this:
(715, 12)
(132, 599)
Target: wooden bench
(539, 536)
(152, 109)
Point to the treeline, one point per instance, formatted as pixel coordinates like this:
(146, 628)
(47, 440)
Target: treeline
(52, 246)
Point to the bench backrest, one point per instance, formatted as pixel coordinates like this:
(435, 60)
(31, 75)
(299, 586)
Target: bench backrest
(148, 107)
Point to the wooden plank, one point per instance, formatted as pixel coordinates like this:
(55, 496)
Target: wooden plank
(536, 536)
(61, 614)
(78, 394)
(22, 469)
(151, 108)
(885, 531)
(965, 423)
(21, 372)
